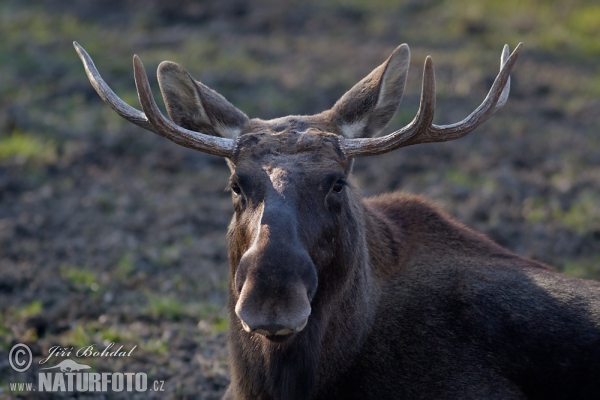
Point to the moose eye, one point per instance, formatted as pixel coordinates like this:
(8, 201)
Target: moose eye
(338, 186)
(235, 188)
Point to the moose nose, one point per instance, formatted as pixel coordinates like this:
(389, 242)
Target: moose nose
(273, 317)
(273, 329)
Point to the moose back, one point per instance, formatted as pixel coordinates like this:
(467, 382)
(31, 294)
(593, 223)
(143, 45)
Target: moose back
(334, 296)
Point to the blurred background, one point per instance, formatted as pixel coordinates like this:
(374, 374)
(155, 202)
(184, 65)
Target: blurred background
(109, 233)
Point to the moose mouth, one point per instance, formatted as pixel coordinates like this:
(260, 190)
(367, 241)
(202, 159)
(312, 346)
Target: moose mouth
(279, 339)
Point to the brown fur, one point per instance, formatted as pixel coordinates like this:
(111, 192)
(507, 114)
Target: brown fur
(410, 303)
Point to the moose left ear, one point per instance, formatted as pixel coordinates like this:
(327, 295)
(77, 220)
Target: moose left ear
(195, 106)
(367, 108)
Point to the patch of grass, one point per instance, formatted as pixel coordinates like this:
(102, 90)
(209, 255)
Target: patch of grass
(42, 27)
(188, 241)
(157, 346)
(535, 210)
(125, 266)
(470, 182)
(31, 309)
(220, 324)
(584, 25)
(22, 148)
(588, 268)
(593, 88)
(169, 255)
(82, 335)
(207, 310)
(582, 216)
(88, 333)
(568, 27)
(5, 333)
(15, 316)
(115, 335)
(167, 307)
(79, 278)
(360, 6)
(212, 317)
(459, 178)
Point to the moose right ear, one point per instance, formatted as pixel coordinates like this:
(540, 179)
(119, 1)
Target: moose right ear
(366, 109)
(197, 107)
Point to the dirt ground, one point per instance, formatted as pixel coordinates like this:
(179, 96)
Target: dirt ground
(110, 234)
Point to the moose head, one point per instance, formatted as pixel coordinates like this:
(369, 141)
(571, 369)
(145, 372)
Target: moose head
(290, 176)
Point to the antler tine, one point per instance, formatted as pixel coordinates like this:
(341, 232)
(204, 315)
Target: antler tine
(495, 99)
(105, 92)
(503, 59)
(415, 133)
(418, 126)
(215, 145)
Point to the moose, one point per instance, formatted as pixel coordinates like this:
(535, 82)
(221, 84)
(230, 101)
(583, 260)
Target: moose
(333, 296)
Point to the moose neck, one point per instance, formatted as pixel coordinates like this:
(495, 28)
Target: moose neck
(341, 317)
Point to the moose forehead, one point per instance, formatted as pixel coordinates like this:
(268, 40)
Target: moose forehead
(283, 152)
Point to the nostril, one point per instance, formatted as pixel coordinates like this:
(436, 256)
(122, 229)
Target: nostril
(273, 330)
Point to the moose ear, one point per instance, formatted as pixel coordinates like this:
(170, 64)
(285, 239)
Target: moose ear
(367, 108)
(197, 107)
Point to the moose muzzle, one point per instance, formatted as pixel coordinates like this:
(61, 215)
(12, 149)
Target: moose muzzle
(275, 282)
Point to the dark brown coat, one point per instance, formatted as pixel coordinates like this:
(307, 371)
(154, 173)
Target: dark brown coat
(412, 304)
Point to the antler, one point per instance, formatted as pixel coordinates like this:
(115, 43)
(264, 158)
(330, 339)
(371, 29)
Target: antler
(421, 129)
(152, 119)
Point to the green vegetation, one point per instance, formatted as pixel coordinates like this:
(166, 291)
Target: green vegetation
(18, 315)
(582, 216)
(5, 333)
(116, 335)
(167, 307)
(125, 266)
(84, 334)
(587, 267)
(80, 278)
(156, 346)
(29, 310)
(459, 178)
(22, 148)
(221, 324)
(30, 34)
(169, 255)
(87, 333)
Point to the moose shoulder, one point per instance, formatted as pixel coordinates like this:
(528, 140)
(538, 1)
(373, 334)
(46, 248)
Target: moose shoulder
(335, 296)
